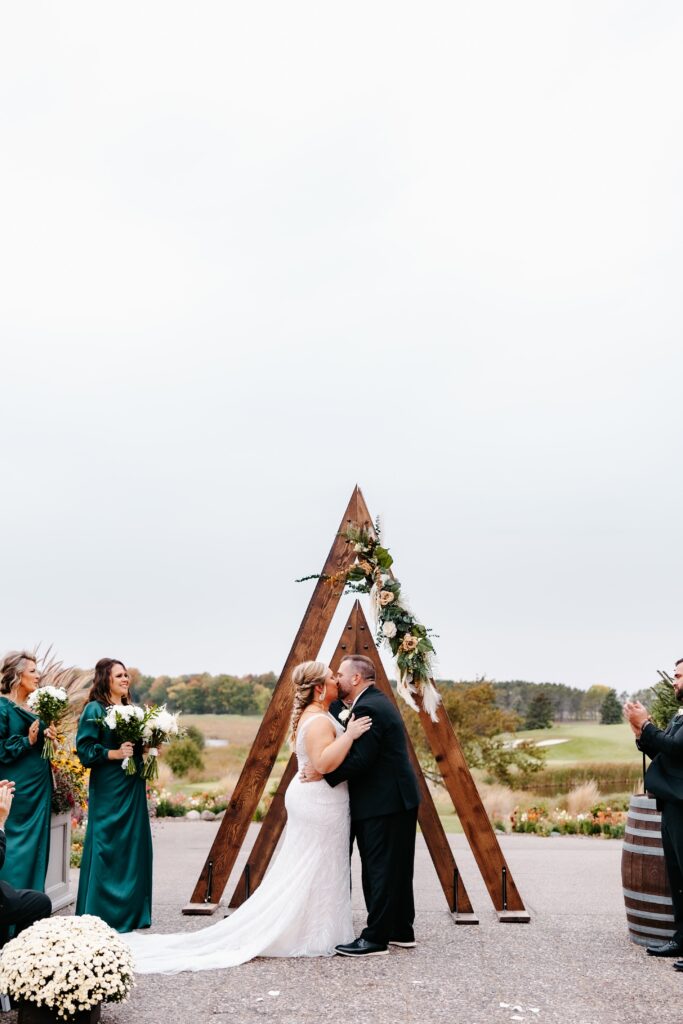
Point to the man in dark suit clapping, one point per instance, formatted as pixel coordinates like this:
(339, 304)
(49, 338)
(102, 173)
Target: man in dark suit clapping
(384, 798)
(664, 780)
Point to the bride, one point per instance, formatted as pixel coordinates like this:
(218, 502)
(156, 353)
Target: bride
(303, 905)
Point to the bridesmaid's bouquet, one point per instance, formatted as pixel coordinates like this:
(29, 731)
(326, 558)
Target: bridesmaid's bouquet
(50, 703)
(128, 721)
(161, 725)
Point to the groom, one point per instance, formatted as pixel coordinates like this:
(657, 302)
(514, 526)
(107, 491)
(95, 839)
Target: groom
(384, 796)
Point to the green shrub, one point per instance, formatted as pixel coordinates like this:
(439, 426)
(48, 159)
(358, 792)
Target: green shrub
(183, 755)
(610, 776)
(170, 809)
(191, 732)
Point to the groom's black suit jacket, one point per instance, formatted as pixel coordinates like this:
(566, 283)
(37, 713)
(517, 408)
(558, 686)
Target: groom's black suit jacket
(380, 777)
(666, 748)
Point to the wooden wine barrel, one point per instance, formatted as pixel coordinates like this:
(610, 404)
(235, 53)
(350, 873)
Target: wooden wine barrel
(643, 874)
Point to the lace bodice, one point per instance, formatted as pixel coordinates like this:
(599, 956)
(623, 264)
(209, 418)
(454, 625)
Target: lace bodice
(300, 745)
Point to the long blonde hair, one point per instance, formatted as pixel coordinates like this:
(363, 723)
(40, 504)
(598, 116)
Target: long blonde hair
(305, 677)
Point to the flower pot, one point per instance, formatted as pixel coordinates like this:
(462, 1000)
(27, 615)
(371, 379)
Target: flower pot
(29, 1013)
(58, 881)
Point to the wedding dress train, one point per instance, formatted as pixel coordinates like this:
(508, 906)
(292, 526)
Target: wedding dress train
(303, 905)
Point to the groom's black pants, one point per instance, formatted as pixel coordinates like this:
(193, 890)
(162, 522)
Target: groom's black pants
(672, 843)
(21, 908)
(387, 853)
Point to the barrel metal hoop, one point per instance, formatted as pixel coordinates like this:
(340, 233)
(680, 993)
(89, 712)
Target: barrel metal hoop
(648, 833)
(649, 851)
(646, 897)
(645, 817)
(642, 801)
(649, 915)
(642, 930)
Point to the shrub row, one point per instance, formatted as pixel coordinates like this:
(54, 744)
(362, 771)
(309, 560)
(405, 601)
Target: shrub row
(610, 776)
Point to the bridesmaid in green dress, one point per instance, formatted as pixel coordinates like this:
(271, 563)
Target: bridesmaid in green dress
(21, 743)
(116, 868)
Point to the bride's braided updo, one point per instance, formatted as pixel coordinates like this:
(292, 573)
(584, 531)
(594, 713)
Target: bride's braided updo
(305, 677)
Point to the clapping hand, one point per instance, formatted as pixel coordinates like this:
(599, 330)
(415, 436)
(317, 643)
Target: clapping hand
(637, 715)
(6, 797)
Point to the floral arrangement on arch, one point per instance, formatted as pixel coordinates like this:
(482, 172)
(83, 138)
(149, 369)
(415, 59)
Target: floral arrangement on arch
(68, 964)
(407, 638)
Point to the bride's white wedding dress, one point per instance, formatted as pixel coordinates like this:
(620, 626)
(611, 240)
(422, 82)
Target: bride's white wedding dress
(303, 905)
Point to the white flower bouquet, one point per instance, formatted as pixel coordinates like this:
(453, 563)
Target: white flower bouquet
(161, 724)
(67, 964)
(128, 721)
(50, 703)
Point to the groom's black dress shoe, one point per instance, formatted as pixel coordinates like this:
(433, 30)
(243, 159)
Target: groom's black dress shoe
(361, 947)
(678, 966)
(406, 943)
(671, 948)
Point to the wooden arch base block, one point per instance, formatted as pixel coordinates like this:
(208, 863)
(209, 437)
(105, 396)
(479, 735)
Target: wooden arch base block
(200, 909)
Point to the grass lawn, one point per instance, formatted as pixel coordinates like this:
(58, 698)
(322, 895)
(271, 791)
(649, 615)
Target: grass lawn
(222, 765)
(238, 730)
(586, 741)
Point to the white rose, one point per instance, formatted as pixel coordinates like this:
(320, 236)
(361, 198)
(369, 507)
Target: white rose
(389, 630)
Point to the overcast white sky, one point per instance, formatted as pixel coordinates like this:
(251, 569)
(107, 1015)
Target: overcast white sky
(251, 254)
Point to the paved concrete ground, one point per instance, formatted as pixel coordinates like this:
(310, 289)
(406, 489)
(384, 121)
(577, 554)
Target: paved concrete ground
(573, 963)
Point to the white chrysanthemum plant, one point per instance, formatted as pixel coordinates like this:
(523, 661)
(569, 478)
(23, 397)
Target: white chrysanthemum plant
(67, 964)
(128, 721)
(51, 704)
(160, 726)
(408, 639)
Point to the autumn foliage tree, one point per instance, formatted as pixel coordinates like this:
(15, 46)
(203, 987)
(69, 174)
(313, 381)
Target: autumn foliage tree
(480, 725)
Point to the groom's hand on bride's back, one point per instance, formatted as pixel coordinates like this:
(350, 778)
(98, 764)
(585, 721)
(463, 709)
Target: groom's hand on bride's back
(310, 774)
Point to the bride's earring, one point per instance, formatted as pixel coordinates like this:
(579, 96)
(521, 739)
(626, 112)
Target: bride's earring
(321, 698)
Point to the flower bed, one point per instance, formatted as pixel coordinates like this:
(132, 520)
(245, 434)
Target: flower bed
(175, 805)
(77, 840)
(70, 792)
(602, 820)
(68, 965)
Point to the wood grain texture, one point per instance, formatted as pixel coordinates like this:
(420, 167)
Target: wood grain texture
(273, 728)
(470, 810)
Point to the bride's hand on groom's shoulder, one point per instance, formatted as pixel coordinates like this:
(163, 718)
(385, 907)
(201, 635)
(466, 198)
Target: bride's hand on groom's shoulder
(357, 726)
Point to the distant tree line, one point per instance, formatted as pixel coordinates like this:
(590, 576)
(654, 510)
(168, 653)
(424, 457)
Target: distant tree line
(204, 694)
(534, 705)
(548, 702)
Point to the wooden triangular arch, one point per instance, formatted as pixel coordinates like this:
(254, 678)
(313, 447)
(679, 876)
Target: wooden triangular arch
(356, 638)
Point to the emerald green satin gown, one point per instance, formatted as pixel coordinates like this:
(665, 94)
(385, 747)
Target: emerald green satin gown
(28, 825)
(116, 868)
